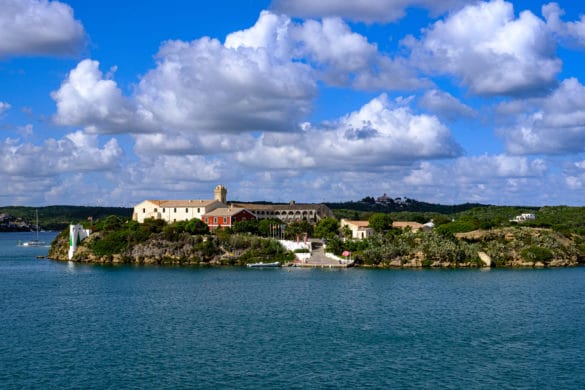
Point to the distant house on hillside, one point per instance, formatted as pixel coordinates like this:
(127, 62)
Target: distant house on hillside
(384, 199)
(523, 217)
(413, 226)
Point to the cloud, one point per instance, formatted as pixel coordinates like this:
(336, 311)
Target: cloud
(4, 107)
(86, 99)
(570, 33)
(38, 27)
(76, 152)
(181, 176)
(445, 105)
(501, 166)
(369, 11)
(245, 85)
(381, 133)
(344, 58)
(483, 179)
(178, 143)
(575, 175)
(261, 79)
(554, 124)
(489, 50)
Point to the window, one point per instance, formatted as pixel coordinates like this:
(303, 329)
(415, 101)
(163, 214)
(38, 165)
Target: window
(175, 210)
(164, 210)
(143, 210)
(187, 210)
(214, 219)
(198, 210)
(155, 210)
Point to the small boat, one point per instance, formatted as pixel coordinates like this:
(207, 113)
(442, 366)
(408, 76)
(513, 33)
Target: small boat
(261, 264)
(35, 242)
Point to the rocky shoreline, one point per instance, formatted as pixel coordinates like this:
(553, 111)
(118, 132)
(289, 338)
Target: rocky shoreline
(497, 248)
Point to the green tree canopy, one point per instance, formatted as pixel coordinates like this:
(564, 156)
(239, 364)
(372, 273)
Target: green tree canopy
(380, 222)
(298, 229)
(327, 228)
(247, 226)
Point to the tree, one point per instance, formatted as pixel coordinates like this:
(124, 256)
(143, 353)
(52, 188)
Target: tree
(196, 226)
(298, 229)
(326, 228)
(380, 222)
(346, 232)
(246, 226)
(265, 226)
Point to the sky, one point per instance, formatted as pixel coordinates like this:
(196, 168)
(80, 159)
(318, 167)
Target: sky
(109, 103)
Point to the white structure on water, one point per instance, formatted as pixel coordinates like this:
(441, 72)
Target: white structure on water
(76, 234)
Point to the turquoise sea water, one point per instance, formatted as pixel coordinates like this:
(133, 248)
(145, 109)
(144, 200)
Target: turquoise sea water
(80, 326)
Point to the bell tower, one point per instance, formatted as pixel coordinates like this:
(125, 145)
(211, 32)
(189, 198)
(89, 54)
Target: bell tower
(220, 194)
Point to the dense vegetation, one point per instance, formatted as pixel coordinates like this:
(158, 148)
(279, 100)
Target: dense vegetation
(556, 236)
(369, 205)
(59, 217)
(183, 242)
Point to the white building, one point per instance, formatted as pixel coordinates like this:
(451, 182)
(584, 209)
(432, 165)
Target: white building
(179, 210)
(524, 217)
(359, 229)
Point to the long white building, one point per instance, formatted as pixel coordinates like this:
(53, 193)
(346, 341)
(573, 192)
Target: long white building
(179, 210)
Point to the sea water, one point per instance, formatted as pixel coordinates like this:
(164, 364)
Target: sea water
(65, 325)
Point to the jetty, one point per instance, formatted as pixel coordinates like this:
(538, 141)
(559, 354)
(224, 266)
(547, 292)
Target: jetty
(320, 259)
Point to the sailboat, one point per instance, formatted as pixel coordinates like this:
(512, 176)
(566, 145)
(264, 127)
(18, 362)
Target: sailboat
(35, 242)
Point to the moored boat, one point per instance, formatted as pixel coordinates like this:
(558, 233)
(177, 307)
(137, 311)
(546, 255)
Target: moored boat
(35, 242)
(261, 264)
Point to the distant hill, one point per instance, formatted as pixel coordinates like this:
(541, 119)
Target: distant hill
(389, 205)
(58, 217)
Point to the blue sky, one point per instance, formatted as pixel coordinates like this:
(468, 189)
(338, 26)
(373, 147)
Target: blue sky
(110, 103)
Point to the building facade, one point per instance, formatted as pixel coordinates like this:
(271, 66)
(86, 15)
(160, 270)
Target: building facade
(359, 229)
(225, 217)
(290, 212)
(179, 210)
(184, 210)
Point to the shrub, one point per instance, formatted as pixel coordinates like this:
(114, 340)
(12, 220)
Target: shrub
(536, 253)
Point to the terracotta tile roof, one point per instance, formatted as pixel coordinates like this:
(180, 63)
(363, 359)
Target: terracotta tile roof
(183, 203)
(405, 224)
(224, 212)
(319, 207)
(360, 224)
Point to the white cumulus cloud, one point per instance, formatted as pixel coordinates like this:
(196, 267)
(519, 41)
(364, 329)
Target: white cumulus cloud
(205, 86)
(489, 50)
(38, 27)
(364, 10)
(87, 99)
(381, 133)
(76, 152)
(445, 105)
(554, 124)
(570, 33)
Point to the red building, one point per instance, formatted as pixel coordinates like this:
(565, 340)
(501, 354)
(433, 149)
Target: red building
(226, 217)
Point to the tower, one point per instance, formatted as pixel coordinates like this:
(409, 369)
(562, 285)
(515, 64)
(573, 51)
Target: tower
(220, 194)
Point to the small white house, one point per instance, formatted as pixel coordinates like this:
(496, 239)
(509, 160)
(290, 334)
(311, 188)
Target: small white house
(359, 229)
(524, 217)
